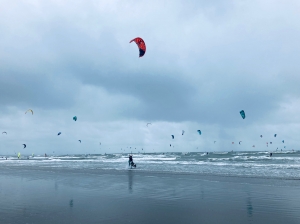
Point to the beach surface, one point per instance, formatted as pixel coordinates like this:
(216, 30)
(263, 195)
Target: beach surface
(60, 195)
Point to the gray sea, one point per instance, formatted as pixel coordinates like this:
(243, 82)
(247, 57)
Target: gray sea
(282, 164)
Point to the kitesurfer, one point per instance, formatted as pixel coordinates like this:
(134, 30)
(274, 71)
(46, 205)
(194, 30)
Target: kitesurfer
(130, 161)
(271, 154)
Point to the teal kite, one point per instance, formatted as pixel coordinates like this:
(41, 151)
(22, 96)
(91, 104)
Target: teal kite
(75, 118)
(242, 112)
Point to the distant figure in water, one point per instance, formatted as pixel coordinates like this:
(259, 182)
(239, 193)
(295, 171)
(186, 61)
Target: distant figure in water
(271, 154)
(130, 161)
(207, 153)
(45, 155)
(6, 158)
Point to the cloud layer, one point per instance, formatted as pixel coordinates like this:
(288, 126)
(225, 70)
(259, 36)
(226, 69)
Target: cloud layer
(205, 61)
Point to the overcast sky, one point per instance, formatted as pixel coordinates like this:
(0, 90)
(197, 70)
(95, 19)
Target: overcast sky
(205, 61)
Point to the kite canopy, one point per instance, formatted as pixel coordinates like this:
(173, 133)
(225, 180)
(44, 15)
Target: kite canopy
(29, 111)
(79, 141)
(282, 141)
(240, 142)
(199, 132)
(75, 118)
(58, 133)
(24, 146)
(242, 112)
(148, 124)
(261, 136)
(275, 135)
(141, 45)
(182, 132)
(172, 136)
(4, 132)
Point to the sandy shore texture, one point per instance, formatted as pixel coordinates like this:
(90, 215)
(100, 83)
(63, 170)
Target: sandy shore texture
(55, 195)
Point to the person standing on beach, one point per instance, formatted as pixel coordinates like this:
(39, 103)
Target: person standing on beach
(130, 161)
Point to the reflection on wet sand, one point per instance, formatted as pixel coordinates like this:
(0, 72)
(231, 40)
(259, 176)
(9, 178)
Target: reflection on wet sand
(249, 208)
(130, 181)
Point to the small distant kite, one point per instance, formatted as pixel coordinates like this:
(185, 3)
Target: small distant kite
(172, 136)
(261, 136)
(253, 145)
(59, 133)
(4, 132)
(75, 118)
(170, 145)
(282, 141)
(240, 142)
(242, 113)
(232, 142)
(141, 45)
(275, 135)
(148, 124)
(270, 142)
(215, 141)
(199, 132)
(24, 146)
(182, 132)
(79, 141)
(29, 111)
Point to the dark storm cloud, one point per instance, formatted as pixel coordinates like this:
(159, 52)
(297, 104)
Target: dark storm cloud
(26, 89)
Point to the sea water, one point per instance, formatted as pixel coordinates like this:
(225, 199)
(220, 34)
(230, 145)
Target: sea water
(285, 165)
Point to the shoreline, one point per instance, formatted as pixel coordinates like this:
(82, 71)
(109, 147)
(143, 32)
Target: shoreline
(101, 171)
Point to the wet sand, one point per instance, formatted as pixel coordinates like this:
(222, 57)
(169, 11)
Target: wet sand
(55, 195)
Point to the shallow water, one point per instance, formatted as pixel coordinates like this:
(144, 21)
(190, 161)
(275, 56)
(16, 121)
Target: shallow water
(63, 195)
